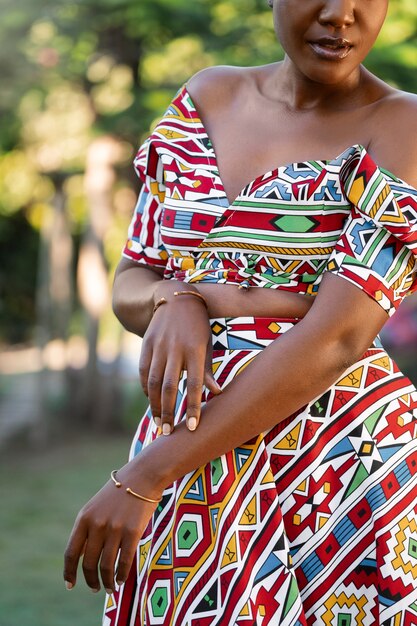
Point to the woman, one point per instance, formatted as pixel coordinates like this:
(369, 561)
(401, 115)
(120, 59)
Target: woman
(289, 495)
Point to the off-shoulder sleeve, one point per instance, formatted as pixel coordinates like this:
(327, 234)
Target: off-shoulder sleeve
(144, 244)
(377, 249)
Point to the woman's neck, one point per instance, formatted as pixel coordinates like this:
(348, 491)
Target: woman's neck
(299, 93)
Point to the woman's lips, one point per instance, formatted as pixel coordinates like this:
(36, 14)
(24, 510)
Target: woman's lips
(331, 49)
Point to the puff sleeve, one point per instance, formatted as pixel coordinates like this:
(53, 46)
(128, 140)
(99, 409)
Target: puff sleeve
(144, 244)
(377, 248)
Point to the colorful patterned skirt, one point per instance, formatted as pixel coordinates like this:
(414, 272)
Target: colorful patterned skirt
(312, 523)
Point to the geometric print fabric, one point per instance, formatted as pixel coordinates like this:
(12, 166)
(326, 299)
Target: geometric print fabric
(285, 228)
(312, 523)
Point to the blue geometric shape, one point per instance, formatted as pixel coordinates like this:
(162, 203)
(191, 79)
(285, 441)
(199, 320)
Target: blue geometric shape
(241, 456)
(299, 173)
(389, 451)
(344, 530)
(138, 447)
(238, 343)
(328, 192)
(183, 219)
(270, 565)
(402, 473)
(386, 601)
(376, 497)
(294, 550)
(311, 566)
(166, 556)
(213, 514)
(281, 189)
(178, 401)
(141, 202)
(196, 491)
(179, 578)
(357, 233)
(342, 447)
(345, 155)
(384, 260)
(215, 201)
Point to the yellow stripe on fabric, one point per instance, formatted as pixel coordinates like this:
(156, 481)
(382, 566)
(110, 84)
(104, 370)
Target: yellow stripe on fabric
(221, 506)
(378, 202)
(253, 246)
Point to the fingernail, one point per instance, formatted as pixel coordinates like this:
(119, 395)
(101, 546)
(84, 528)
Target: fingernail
(166, 429)
(119, 582)
(95, 590)
(68, 585)
(192, 423)
(157, 421)
(109, 592)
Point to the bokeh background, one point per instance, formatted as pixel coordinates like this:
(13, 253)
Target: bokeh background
(81, 84)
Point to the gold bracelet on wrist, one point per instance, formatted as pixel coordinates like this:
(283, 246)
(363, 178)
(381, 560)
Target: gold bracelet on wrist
(196, 294)
(129, 490)
(159, 303)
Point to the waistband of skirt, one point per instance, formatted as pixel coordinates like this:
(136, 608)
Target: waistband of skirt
(254, 333)
(248, 332)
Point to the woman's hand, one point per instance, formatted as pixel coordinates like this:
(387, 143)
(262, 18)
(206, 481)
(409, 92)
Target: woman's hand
(108, 529)
(178, 338)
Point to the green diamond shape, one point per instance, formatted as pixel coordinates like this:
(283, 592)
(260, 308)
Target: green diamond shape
(344, 619)
(293, 223)
(187, 534)
(159, 602)
(216, 471)
(412, 547)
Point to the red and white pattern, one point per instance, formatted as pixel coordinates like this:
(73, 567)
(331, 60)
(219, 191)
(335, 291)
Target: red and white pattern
(314, 522)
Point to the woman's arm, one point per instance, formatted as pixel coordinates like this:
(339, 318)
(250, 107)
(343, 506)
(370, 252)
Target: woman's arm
(134, 294)
(177, 337)
(284, 377)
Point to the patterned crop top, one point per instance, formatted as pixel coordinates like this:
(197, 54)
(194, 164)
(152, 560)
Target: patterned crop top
(285, 228)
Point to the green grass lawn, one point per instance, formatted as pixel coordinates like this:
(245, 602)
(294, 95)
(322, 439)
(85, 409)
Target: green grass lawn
(40, 495)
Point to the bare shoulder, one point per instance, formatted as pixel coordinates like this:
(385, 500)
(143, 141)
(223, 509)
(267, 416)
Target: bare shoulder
(394, 145)
(215, 88)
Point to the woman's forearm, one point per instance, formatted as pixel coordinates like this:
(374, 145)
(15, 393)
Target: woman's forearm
(133, 296)
(283, 378)
(275, 385)
(136, 289)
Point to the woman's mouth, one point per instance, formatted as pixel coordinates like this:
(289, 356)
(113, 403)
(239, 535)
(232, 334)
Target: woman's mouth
(331, 48)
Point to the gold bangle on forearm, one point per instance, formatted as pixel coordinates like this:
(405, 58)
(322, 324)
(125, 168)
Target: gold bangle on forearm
(196, 294)
(129, 490)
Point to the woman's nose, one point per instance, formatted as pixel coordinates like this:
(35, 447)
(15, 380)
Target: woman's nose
(337, 13)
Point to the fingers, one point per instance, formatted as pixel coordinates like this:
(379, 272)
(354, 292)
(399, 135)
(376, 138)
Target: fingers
(73, 553)
(169, 396)
(209, 381)
(108, 564)
(144, 366)
(212, 384)
(127, 554)
(195, 379)
(155, 378)
(91, 558)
